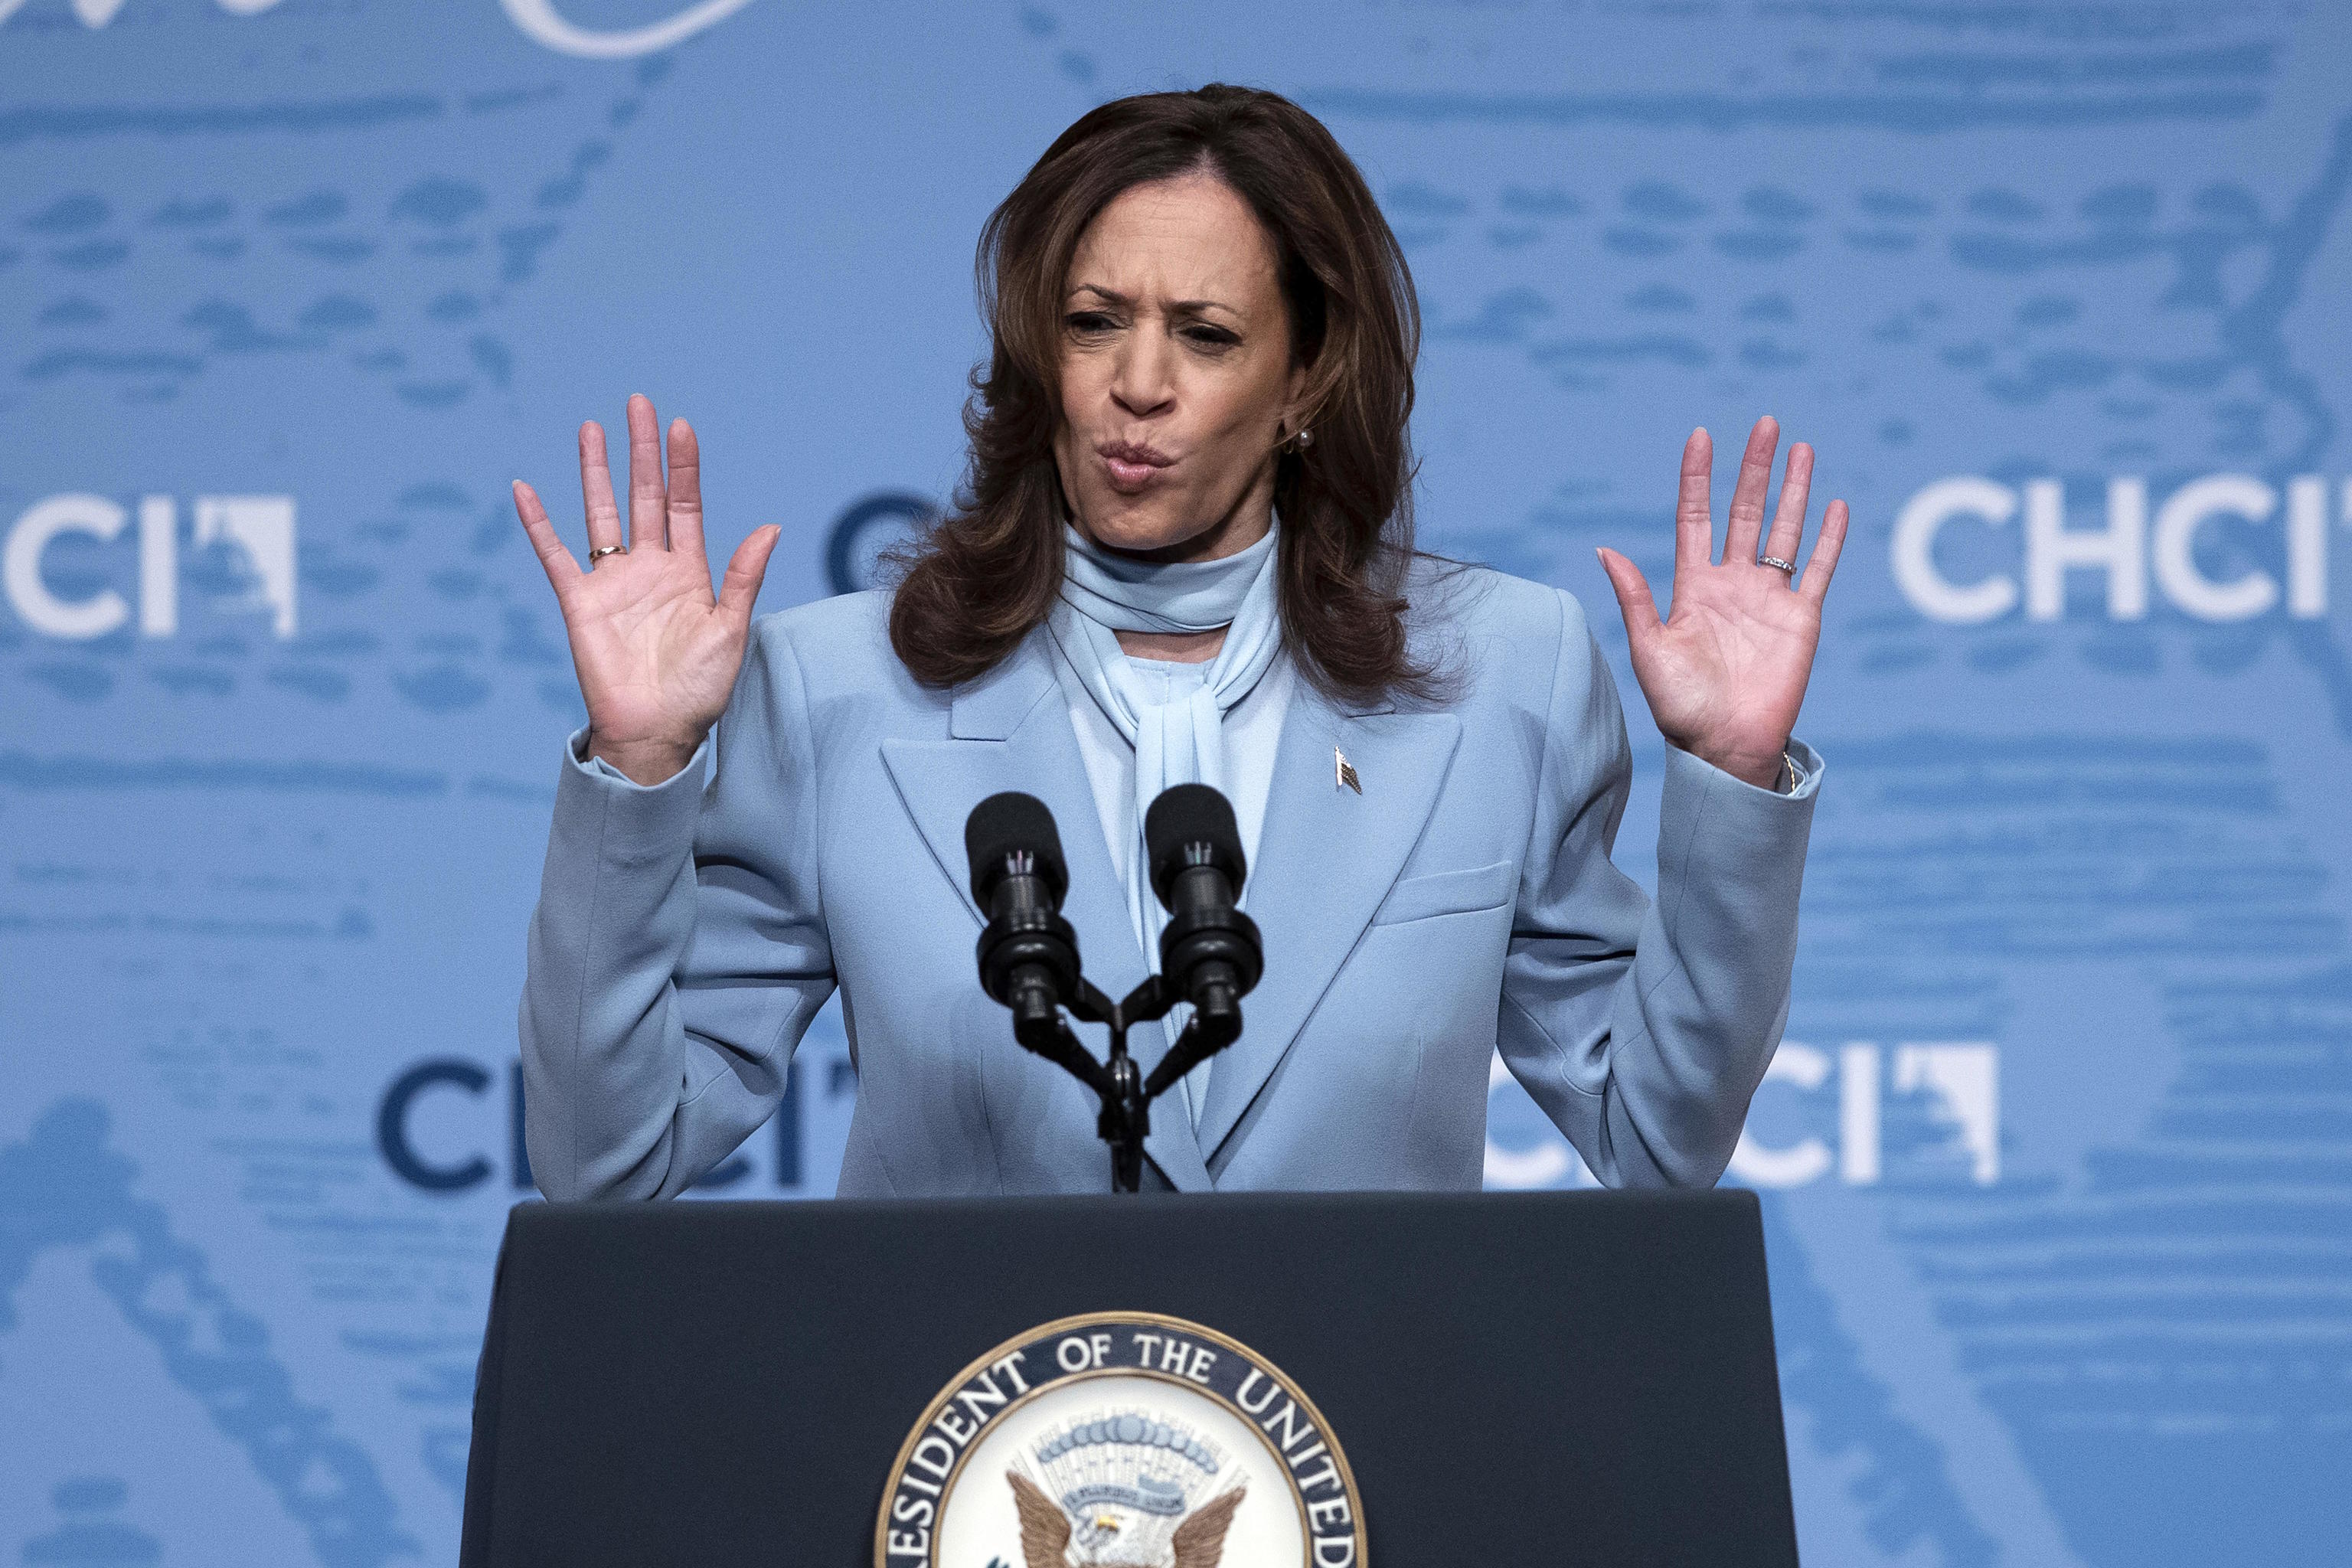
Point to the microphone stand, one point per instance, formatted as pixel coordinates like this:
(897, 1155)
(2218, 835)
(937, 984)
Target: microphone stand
(1126, 1094)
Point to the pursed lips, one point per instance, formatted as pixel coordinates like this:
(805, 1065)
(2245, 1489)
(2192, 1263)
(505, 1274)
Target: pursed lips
(1132, 465)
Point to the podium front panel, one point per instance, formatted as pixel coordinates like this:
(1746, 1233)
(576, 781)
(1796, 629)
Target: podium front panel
(1537, 1378)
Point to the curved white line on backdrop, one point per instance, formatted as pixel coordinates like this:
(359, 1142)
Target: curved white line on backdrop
(98, 12)
(538, 20)
(545, 25)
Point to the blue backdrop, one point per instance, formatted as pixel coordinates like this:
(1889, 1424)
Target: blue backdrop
(2058, 1157)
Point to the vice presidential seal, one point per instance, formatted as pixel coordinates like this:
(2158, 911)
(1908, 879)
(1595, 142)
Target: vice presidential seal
(1120, 1440)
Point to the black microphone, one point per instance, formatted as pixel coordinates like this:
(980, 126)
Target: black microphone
(1210, 952)
(1028, 954)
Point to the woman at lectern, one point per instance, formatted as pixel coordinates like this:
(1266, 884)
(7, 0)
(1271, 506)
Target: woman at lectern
(1183, 553)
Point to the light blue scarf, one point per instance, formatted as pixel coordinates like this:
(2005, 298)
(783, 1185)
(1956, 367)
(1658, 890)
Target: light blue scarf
(1175, 742)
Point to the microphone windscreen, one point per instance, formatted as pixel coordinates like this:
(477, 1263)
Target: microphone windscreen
(1191, 824)
(1007, 824)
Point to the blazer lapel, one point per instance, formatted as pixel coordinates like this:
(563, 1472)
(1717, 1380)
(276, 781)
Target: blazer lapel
(1010, 731)
(1327, 857)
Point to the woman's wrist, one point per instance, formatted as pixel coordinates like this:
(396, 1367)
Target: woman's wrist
(647, 763)
(1765, 770)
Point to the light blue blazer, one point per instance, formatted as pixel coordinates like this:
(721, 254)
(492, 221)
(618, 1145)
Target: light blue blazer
(687, 933)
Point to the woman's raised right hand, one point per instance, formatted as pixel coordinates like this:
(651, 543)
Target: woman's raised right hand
(656, 651)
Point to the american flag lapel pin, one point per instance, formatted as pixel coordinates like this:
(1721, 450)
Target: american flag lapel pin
(1344, 771)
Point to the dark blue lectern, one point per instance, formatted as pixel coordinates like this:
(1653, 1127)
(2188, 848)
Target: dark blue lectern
(1545, 1378)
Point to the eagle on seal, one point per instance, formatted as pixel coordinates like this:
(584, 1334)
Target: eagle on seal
(1046, 1531)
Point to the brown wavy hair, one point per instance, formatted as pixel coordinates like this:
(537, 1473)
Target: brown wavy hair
(988, 574)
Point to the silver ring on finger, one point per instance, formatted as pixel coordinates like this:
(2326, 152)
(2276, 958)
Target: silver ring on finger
(1772, 560)
(601, 551)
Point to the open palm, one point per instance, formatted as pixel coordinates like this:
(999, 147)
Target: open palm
(1724, 673)
(656, 650)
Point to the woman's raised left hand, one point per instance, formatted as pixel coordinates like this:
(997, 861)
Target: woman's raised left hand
(1724, 673)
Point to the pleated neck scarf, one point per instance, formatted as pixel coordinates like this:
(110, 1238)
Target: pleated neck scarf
(1179, 742)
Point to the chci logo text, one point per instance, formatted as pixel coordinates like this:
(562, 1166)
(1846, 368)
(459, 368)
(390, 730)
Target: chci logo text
(59, 579)
(2225, 547)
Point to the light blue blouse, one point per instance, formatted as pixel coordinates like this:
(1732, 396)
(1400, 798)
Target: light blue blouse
(1252, 735)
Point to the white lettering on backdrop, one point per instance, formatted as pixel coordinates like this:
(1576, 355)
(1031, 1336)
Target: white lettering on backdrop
(258, 531)
(2128, 550)
(1951, 1120)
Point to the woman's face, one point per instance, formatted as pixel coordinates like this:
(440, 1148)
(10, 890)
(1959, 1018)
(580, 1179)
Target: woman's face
(1177, 380)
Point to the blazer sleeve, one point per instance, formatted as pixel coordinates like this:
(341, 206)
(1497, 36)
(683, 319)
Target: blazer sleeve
(678, 950)
(1640, 1028)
